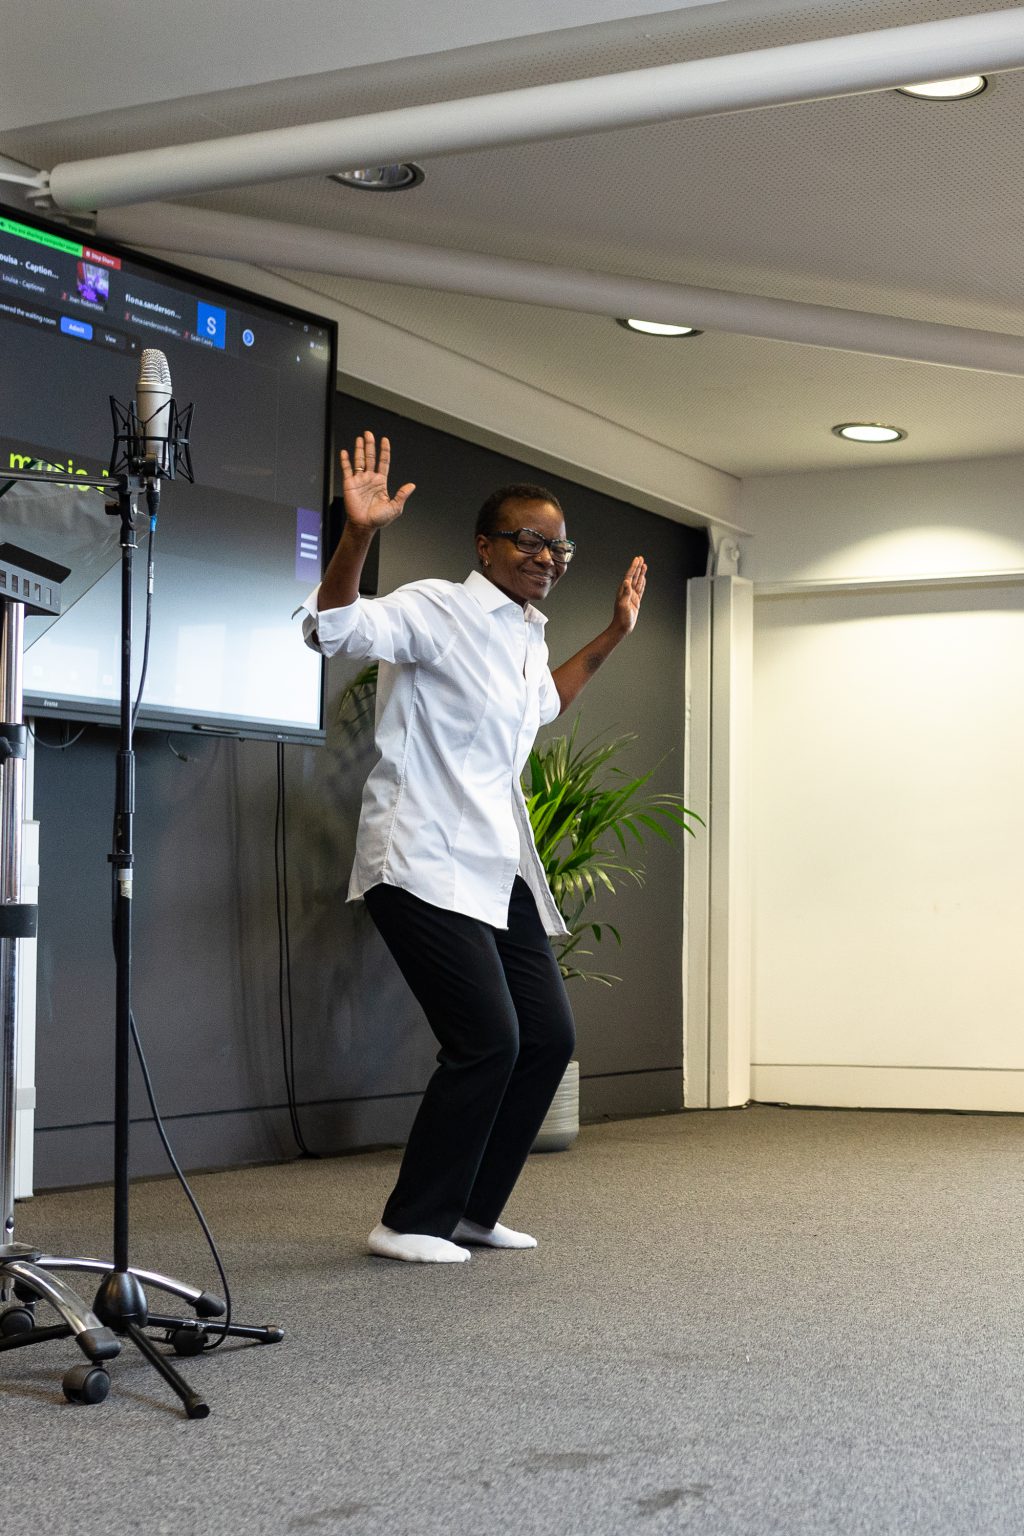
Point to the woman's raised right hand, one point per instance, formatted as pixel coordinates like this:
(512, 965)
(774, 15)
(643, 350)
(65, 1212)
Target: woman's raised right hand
(365, 484)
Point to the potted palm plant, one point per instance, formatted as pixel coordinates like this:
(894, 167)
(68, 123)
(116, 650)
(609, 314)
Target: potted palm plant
(590, 818)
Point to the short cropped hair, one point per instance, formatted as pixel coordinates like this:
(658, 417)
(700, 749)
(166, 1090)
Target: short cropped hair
(489, 516)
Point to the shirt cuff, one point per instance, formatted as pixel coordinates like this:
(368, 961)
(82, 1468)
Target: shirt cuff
(327, 631)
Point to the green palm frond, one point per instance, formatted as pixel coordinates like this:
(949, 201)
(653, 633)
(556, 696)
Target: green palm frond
(582, 809)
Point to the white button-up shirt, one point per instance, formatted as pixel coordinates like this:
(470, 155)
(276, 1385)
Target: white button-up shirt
(463, 687)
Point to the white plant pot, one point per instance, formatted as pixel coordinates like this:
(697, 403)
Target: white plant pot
(562, 1122)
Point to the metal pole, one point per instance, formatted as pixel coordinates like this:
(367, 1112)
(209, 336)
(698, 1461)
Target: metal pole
(122, 861)
(12, 792)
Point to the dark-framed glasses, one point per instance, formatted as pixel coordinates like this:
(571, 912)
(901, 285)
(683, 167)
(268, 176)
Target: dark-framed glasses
(529, 542)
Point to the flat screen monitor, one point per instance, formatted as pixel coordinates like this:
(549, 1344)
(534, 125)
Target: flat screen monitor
(236, 552)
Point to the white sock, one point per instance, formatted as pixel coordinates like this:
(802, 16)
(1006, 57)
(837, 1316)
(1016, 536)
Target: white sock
(492, 1237)
(417, 1247)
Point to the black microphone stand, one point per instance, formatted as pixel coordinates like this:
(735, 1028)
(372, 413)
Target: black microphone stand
(121, 1308)
(120, 1302)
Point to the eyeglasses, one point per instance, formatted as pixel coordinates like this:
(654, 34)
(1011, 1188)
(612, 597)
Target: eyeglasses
(529, 542)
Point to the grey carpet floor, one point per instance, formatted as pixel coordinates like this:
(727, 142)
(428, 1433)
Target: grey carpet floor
(739, 1322)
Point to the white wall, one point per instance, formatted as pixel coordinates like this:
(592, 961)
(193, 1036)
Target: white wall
(876, 523)
(889, 825)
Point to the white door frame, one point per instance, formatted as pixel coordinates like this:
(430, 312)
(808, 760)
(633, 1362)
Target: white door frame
(717, 947)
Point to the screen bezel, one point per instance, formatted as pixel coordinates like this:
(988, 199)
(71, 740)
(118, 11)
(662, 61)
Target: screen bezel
(38, 705)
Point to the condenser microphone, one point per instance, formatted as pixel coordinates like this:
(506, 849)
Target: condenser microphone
(151, 436)
(153, 402)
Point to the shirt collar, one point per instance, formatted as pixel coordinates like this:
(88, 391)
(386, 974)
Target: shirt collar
(491, 598)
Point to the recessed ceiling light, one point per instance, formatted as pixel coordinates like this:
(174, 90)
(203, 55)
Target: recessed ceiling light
(652, 328)
(381, 178)
(868, 432)
(946, 90)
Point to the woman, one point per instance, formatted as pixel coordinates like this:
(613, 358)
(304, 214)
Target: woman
(445, 858)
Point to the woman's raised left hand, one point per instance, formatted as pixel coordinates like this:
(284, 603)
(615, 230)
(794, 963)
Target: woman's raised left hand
(630, 596)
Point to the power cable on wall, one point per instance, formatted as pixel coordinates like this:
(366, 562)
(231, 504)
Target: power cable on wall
(57, 746)
(284, 957)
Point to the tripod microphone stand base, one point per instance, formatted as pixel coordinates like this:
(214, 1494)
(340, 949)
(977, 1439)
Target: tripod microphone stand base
(120, 1310)
(187, 1335)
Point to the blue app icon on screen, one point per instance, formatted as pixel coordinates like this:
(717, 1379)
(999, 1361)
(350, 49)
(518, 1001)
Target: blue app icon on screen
(212, 324)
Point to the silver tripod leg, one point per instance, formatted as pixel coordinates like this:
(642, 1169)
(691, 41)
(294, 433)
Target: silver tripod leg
(203, 1302)
(12, 802)
(19, 1263)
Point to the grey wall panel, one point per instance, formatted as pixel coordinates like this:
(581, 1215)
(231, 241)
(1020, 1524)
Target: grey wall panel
(206, 967)
(630, 1093)
(225, 1139)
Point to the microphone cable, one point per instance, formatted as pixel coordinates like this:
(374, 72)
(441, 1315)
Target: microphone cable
(171, 1158)
(149, 621)
(136, 1038)
(189, 1196)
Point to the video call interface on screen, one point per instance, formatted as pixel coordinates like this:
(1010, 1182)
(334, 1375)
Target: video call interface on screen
(237, 551)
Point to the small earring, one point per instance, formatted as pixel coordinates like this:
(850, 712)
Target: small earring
(487, 562)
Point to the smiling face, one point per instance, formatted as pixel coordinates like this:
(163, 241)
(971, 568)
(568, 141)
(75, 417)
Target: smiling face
(523, 578)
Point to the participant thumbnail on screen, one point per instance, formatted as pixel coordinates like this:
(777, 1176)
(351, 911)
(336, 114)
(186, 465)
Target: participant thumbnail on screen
(93, 284)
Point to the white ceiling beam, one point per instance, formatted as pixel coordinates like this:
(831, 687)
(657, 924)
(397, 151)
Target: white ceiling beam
(51, 71)
(796, 72)
(234, 237)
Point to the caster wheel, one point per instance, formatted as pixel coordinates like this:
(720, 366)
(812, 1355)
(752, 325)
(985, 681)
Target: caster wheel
(25, 1293)
(16, 1320)
(188, 1341)
(86, 1384)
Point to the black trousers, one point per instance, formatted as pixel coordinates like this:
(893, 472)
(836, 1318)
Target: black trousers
(496, 1002)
